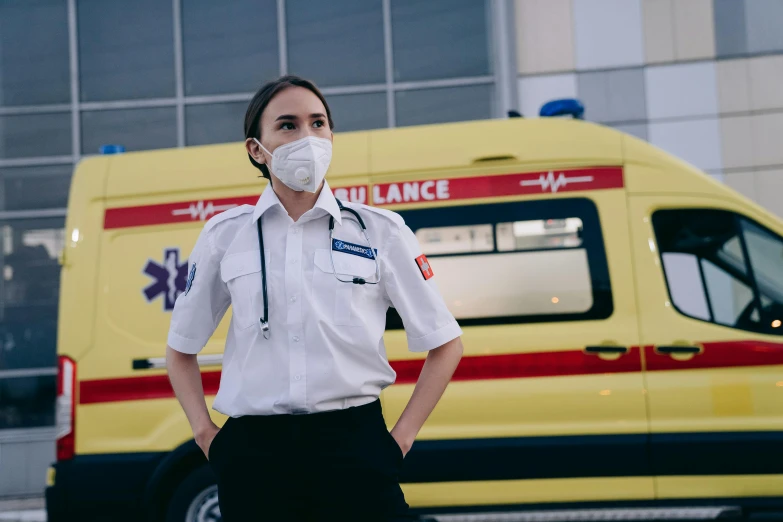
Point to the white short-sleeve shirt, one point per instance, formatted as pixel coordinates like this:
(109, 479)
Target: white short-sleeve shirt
(325, 350)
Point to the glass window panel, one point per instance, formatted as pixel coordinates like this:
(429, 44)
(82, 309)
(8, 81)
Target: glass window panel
(445, 105)
(687, 291)
(728, 296)
(34, 62)
(731, 253)
(710, 241)
(540, 234)
(564, 283)
(766, 258)
(220, 61)
(27, 135)
(523, 283)
(136, 129)
(765, 251)
(336, 43)
(125, 52)
(29, 291)
(456, 240)
(26, 188)
(353, 112)
(454, 31)
(218, 123)
(27, 402)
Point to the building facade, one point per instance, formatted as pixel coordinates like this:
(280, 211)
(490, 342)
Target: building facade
(700, 78)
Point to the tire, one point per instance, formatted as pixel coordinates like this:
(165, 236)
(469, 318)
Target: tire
(195, 500)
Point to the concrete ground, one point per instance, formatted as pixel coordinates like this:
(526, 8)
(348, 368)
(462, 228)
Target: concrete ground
(23, 510)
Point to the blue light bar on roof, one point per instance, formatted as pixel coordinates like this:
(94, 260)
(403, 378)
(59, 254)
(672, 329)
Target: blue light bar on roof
(563, 107)
(112, 149)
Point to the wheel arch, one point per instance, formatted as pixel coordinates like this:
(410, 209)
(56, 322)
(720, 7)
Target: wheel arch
(171, 471)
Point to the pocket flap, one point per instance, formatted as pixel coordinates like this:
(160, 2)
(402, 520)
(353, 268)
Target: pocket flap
(243, 263)
(344, 264)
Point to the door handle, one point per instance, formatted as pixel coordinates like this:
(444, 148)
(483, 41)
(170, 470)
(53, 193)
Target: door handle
(678, 349)
(606, 349)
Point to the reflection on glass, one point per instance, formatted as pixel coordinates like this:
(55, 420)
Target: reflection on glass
(126, 51)
(220, 61)
(29, 291)
(722, 268)
(419, 30)
(456, 240)
(516, 283)
(27, 402)
(351, 29)
(540, 234)
(214, 123)
(135, 129)
(728, 296)
(444, 104)
(27, 188)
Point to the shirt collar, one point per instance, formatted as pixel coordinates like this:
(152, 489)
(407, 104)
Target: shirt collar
(326, 201)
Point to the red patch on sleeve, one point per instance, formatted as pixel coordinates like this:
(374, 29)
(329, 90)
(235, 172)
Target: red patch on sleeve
(424, 266)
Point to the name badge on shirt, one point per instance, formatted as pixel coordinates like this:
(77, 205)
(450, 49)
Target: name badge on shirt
(357, 250)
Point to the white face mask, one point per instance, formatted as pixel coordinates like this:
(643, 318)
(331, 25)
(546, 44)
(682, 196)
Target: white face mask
(301, 164)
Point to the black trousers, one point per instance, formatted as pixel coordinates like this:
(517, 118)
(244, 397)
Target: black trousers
(338, 465)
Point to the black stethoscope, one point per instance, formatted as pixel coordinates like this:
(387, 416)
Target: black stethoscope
(353, 279)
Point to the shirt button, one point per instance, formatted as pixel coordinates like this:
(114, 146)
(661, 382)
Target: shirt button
(296, 338)
(293, 299)
(293, 261)
(297, 377)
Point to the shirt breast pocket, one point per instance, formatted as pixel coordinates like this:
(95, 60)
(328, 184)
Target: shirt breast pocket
(340, 301)
(242, 274)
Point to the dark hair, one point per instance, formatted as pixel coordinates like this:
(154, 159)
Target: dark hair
(262, 98)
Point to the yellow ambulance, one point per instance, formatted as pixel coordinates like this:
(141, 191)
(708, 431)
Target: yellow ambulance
(621, 313)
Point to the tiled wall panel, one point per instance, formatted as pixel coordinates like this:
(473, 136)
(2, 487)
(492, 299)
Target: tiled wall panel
(613, 96)
(537, 90)
(763, 25)
(695, 141)
(684, 90)
(702, 79)
(545, 41)
(608, 33)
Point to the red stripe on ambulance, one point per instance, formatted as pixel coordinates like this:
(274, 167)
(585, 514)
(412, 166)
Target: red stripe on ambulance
(167, 213)
(717, 354)
(200, 210)
(471, 368)
(451, 189)
(138, 388)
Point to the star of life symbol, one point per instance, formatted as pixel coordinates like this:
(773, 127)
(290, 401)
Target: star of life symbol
(201, 211)
(170, 278)
(550, 182)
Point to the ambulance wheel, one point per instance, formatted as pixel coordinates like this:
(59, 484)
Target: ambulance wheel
(196, 498)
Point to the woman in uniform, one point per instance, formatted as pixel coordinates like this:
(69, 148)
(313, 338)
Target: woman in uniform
(309, 279)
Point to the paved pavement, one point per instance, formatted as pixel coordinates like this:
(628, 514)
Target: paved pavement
(22, 510)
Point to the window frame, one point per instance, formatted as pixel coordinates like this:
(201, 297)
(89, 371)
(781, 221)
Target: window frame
(593, 243)
(752, 284)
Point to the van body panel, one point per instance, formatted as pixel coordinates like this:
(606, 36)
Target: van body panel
(81, 253)
(520, 141)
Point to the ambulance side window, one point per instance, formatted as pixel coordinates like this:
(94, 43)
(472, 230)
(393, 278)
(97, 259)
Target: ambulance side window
(505, 263)
(722, 268)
